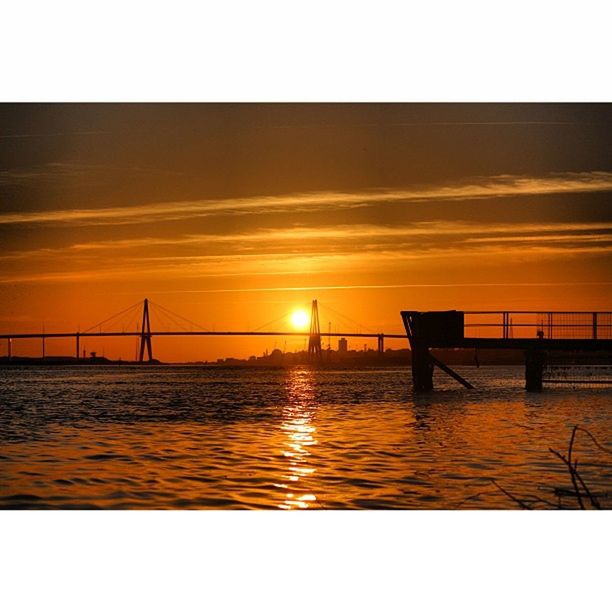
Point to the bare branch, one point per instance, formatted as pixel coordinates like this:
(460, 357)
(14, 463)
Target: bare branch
(544, 501)
(594, 439)
(521, 503)
(592, 498)
(572, 471)
(573, 477)
(467, 499)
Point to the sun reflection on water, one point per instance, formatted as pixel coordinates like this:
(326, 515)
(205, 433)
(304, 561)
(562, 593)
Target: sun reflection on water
(298, 437)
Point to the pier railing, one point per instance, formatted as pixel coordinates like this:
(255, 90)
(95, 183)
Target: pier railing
(552, 325)
(538, 334)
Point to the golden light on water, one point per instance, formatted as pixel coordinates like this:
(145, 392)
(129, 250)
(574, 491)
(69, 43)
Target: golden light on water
(299, 432)
(300, 319)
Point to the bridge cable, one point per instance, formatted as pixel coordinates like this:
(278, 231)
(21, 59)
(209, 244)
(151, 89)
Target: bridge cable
(283, 316)
(352, 321)
(178, 316)
(112, 317)
(162, 321)
(134, 321)
(130, 323)
(174, 323)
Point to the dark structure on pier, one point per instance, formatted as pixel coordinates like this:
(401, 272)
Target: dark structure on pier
(539, 334)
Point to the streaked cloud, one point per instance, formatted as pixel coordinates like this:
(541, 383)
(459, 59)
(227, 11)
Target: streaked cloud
(343, 262)
(481, 188)
(421, 229)
(72, 170)
(313, 238)
(388, 286)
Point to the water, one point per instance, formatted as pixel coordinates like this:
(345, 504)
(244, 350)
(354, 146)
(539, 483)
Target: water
(189, 437)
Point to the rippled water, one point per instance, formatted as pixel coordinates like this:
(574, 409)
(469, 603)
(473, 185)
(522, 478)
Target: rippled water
(188, 437)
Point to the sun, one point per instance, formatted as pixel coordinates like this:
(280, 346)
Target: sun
(299, 319)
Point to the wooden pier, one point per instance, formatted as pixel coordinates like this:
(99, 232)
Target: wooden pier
(538, 334)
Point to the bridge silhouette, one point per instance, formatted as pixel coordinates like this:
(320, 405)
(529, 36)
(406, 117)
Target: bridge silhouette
(540, 335)
(146, 333)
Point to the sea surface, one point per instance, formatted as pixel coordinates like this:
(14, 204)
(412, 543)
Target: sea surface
(158, 437)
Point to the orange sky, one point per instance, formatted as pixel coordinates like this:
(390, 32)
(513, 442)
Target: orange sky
(235, 215)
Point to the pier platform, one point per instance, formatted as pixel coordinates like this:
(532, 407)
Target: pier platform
(538, 334)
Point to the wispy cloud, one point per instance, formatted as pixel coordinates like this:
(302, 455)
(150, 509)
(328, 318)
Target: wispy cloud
(374, 258)
(54, 171)
(487, 187)
(543, 238)
(420, 229)
(384, 286)
(313, 238)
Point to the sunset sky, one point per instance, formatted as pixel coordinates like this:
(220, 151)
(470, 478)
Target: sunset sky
(236, 215)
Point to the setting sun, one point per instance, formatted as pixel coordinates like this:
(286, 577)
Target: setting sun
(300, 319)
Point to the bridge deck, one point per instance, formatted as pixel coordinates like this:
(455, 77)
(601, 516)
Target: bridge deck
(193, 333)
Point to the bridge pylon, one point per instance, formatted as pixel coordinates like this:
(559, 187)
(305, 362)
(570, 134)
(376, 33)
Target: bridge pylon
(314, 339)
(145, 333)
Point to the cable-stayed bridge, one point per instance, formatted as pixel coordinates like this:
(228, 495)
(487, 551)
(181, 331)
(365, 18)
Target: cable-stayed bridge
(141, 313)
(542, 336)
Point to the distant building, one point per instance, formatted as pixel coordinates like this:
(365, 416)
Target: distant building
(342, 345)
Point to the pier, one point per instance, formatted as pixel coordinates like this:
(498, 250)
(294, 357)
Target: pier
(540, 335)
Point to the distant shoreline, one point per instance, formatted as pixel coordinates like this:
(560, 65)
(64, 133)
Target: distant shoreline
(277, 359)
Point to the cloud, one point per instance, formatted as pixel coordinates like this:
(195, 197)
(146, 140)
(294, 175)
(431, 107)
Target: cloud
(73, 170)
(482, 188)
(317, 238)
(22, 176)
(385, 286)
(387, 258)
(420, 239)
(417, 230)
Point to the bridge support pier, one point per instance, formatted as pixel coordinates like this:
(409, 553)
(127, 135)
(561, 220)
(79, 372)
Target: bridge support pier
(10, 348)
(145, 333)
(314, 339)
(534, 369)
(78, 344)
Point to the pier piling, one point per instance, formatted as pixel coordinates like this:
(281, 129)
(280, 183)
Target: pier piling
(534, 369)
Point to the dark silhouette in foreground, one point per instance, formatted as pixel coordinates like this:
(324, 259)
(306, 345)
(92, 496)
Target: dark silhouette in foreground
(580, 494)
